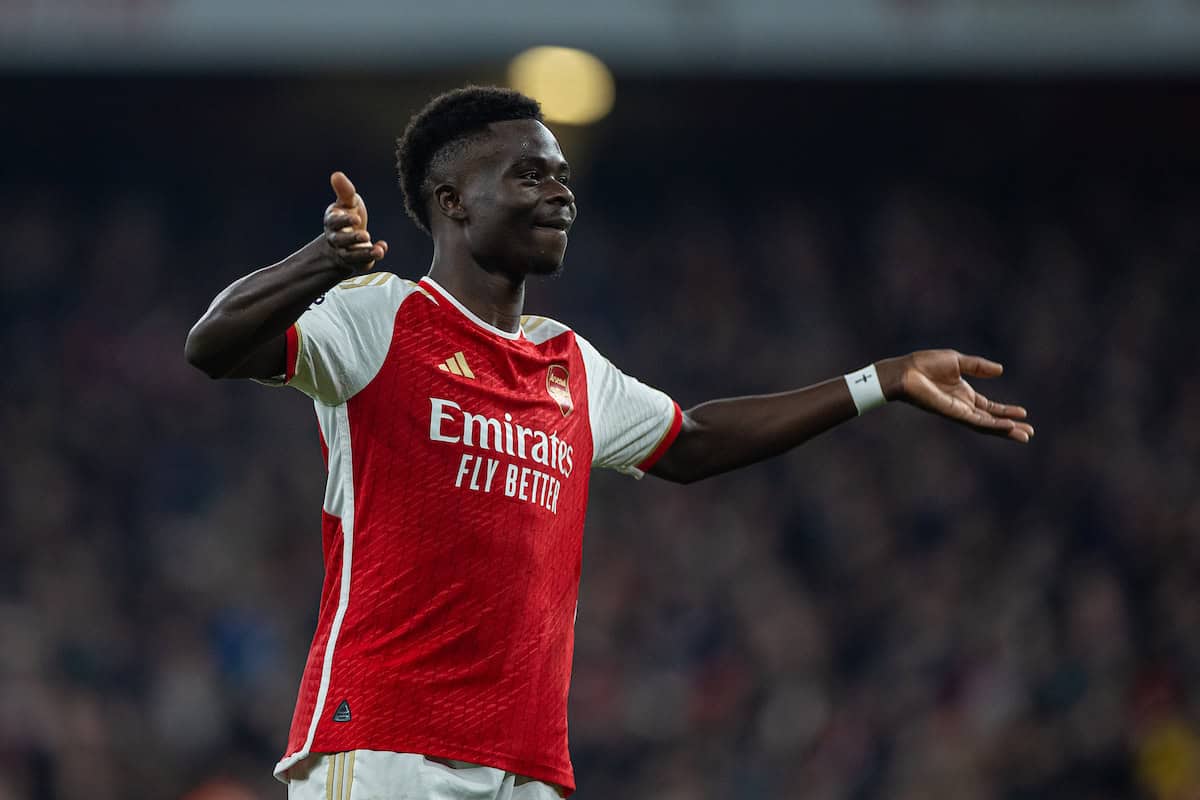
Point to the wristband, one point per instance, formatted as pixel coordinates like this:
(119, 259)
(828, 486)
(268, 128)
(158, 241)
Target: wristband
(865, 389)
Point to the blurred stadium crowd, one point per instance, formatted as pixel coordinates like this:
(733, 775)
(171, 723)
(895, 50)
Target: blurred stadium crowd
(899, 610)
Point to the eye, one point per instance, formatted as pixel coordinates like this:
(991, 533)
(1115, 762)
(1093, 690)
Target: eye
(564, 179)
(529, 175)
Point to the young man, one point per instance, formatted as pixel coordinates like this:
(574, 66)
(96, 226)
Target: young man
(458, 435)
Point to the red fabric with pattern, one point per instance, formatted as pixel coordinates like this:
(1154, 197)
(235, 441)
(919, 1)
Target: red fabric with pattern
(458, 635)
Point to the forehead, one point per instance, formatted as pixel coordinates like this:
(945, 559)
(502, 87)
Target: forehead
(521, 138)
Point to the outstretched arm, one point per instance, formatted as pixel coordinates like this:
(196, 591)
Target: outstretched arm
(721, 435)
(242, 333)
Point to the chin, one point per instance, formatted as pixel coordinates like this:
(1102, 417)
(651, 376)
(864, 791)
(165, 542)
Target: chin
(546, 264)
(547, 270)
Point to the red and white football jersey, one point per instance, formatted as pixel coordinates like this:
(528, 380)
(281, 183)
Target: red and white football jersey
(458, 458)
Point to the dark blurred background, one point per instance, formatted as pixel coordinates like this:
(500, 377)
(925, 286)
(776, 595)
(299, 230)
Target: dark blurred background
(900, 609)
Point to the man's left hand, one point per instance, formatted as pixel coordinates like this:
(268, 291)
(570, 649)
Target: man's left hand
(935, 380)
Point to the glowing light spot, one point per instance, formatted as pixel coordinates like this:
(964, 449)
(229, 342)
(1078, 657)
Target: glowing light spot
(573, 87)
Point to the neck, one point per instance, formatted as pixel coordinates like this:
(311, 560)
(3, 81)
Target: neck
(497, 298)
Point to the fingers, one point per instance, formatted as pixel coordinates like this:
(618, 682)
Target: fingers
(997, 418)
(343, 188)
(1001, 426)
(337, 219)
(1017, 431)
(979, 367)
(362, 255)
(988, 423)
(958, 401)
(960, 410)
(975, 411)
(1020, 431)
(348, 210)
(346, 231)
(999, 409)
(348, 239)
(352, 246)
(376, 250)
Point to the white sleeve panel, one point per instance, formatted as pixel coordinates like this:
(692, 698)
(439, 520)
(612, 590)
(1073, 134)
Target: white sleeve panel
(344, 337)
(629, 419)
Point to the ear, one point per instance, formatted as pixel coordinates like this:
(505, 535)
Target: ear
(449, 202)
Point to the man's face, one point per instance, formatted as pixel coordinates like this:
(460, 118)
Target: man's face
(517, 201)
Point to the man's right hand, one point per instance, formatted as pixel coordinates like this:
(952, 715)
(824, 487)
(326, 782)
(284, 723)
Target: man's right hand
(244, 332)
(346, 228)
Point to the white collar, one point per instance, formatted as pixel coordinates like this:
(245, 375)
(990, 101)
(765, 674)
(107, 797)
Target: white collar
(471, 315)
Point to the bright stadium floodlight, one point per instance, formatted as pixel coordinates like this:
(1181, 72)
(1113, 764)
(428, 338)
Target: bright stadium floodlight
(574, 87)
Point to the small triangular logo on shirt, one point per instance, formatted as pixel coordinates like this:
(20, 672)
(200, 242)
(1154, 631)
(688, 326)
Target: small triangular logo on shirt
(457, 364)
(343, 712)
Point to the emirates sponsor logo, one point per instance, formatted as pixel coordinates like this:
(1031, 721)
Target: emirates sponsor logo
(451, 424)
(559, 388)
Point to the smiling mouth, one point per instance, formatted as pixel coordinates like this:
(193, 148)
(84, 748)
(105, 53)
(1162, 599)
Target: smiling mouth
(557, 225)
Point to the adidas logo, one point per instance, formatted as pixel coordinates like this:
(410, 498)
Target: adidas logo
(457, 364)
(342, 714)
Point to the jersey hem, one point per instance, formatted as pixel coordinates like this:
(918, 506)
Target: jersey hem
(518, 766)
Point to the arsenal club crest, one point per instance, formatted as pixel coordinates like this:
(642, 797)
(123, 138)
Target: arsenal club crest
(558, 388)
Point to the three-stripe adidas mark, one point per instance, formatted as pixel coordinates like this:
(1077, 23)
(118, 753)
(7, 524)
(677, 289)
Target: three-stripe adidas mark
(458, 365)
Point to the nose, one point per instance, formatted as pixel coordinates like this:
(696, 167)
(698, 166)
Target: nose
(561, 194)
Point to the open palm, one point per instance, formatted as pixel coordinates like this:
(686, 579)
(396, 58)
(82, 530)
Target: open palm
(935, 380)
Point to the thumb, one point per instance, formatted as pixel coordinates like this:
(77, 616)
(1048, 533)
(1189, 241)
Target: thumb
(343, 188)
(978, 367)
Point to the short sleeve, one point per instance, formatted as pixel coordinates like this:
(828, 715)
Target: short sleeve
(340, 342)
(632, 424)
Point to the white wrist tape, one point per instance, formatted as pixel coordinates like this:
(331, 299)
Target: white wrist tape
(865, 389)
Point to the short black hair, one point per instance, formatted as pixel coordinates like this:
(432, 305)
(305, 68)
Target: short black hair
(447, 121)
